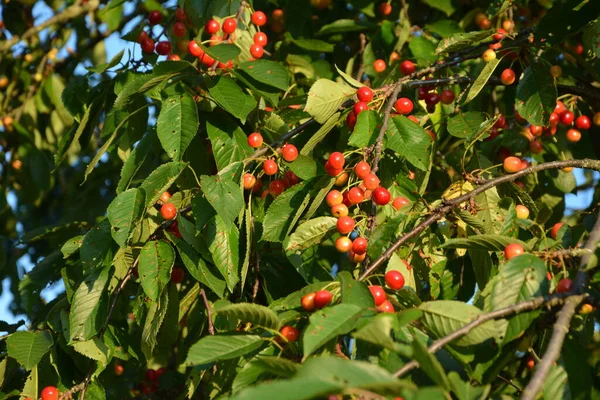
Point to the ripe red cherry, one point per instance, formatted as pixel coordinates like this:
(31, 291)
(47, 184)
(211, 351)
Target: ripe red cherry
(142, 36)
(332, 171)
(177, 275)
(362, 169)
(345, 225)
(512, 164)
(249, 181)
(385, 9)
(180, 14)
(536, 130)
(49, 393)
(554, 119)
(270, 167)
(500, 122)
(147, 45)
(308, 302)
(422, 93)
(379, 66)
(257, 51)
(555, 229)
(499, 35)
(378, 294)
(255, 140)
(165, 197)
(259, 18)
(394, 279)
(566, 118)
(513, 250)
(260, 38)
(530, 364)
(578, 49)
(179, 29)
(322, 298)
(289, 152)
(336, 160)
(447, 96)
(212, 26)
(364, 94)
(432, 98)
(359, 245)
(564, 285)
(560, 107)
(386, 307)
(173, 229)
(573, 135)
(229, 25)
(291, 178)
(276, 187)
(356, 195)
(407, 67)
(583, 122)
(163, 48)
(371, 181)
(168, 211)
(154, 17)
(343, 244)
(334, 198)
(404, 106)
(508, 76)
(118, 369)
(360, 107)
(399, 202)
(195, 49)
(290, 333)
(536, 147)
(150, 375)
(381, 196)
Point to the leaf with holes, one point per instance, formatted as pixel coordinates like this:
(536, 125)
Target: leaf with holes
(156, 260)
(177, 124)
(124, 212)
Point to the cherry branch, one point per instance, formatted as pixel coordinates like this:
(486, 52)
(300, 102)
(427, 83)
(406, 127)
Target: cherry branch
(439, 212)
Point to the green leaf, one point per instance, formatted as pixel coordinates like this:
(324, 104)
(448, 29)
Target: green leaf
(320, 134)
(556, 384)
(482, 266)
(157, 311)
(268, 72)
(345, 25)
(97, 245)
(88, 306)
(224, 195)
(284, 210)
(228, 140)
(520, 279)
(488, 242)
(377, 332)
(30, 389)
(156, 261)
(460, 41)
(314, 45)
(221, 347)
(423, 49)
(177, 124)
(429, 364)
(325, 97)
(309, 233)
(466, 390)
(443, 317)
(536, 94)
(443, 5)
(482, 79)
(304, 167)
(348, 79)
(254, 313)
(28, 348)
(464, 125)
(160, 180)
(102, 68)
(94, 349)
(124, 212)
(565, 19)
(294, 389)
(230, 97)
(366, 129)
(409, 140)
(135, 161)
(355, 292)
(328, 323)
(223, 245)
(277, 365)
(223, 52)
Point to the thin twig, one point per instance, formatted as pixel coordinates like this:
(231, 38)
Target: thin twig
(361, 67)
(211, 327)
(256, 276)
(284, 138)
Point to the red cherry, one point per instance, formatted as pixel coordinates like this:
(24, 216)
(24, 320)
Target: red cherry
(180, 14)
(360, 107)
(147, 45)
(229, 25)
(400, 202)
(447, 96)
(308, 302)
(359, 245)
(530, 364)
(195, 49)
(583, 122)
(142, 36)
(499, 35)
(422, 93)
(276, 187)
(379, 66)
(555, 229)
(536, 130)
(118, 369)
(343, 244)
(154, 17)
(356, 195)
(336, 160)
(270, 167)
(578, 49)
(536, 147)
(394, 279)
(381, 196)
(554, 119)
(289, 152)
(255, 140)
(160, 372)
(386, 307)
(257, 51)
(259, 18)
(564, 285)
(508, 76)
(249, 181)
(512, 164)
(177, 275)
(407, 67)
(513, 250)
(168, 211)
(212, 26)
(351, 120)
(173, 57)
(364, 94)
(150, 375)
(500, 122)
(163, 48)
(345, 225)
(356, 258)
(404, 106)
(378, 294)
(371, 181)
(179, 29)
(432, 98)
(260, 38)
(334, 198)
(566, 118)
(173, 229)
(290, 333)
(49, 393)
(322, 298)
(332, 171)
(291, 178)
(560, 107)
(385, 9)
(166, 196)
(362, 169)
(573, 135)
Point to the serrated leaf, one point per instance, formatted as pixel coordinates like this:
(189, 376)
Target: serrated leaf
(325, 97)
(97, 245)
(30, 388)
(482, 79)
(161, 179)
(409, 140)
(320, 134)
(254, 313)
(328, 323)
(228, 140)
(309, 233)
(268, 72)
(355, 292)
(464, 125)
(177, 124)
(224, 195)
(488, 242)
(102, 68)
(71, 246)
(124, 212)
(366, 129)
(429, 364)
(536, 94)
(348, 79)
(228, 94)
(223, 52)
(157, 311)
(156, 261)
(94, 349)
(221, 347)
(223, 242)
(460, 41)
(88, 306)
(28, 348)
(135, 161)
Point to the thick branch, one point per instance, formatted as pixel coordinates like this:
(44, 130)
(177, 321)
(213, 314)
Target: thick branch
(451, 204)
